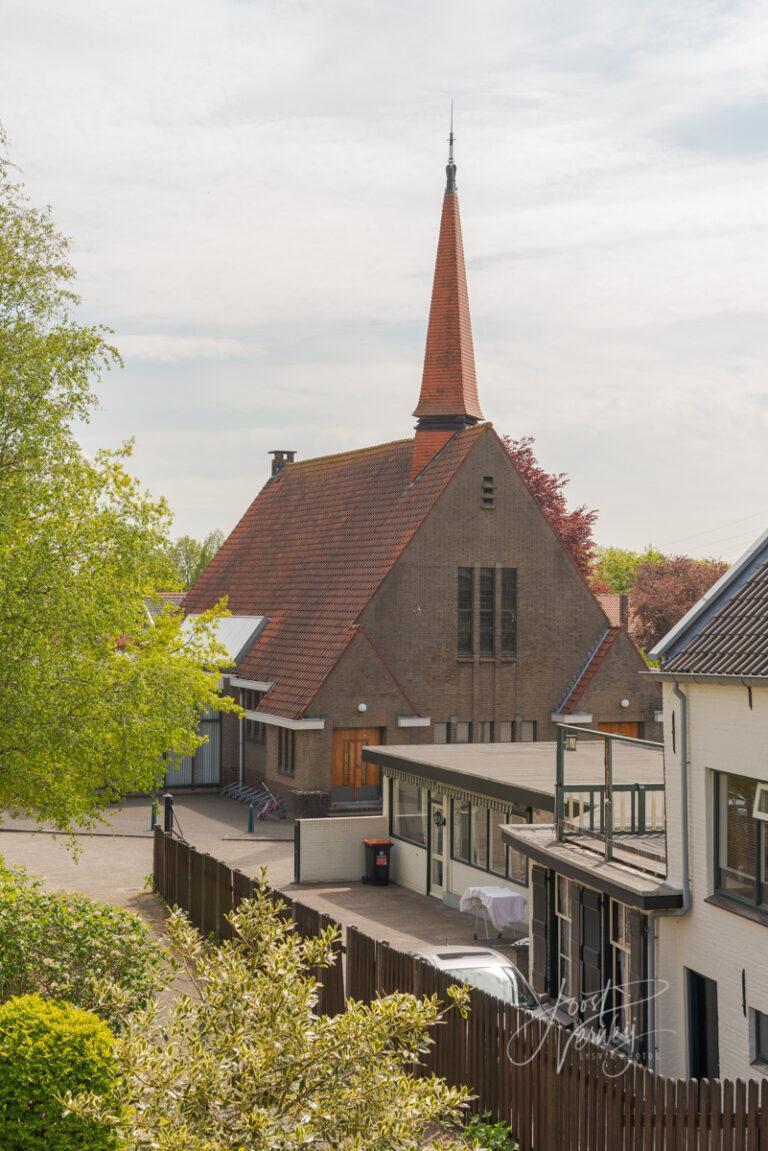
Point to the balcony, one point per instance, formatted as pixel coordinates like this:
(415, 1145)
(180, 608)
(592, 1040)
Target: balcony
(621, 819)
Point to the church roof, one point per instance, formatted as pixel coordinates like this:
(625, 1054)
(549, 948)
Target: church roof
(312, 549)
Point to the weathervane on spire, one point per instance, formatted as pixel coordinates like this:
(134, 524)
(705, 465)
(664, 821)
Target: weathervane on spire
(450, 170)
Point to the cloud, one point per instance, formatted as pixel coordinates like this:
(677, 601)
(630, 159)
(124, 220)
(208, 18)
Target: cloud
(253, 191)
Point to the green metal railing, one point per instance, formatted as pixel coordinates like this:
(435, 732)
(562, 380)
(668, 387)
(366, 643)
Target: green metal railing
(590, 809)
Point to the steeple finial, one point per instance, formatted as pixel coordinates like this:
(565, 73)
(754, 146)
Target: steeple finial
(450, 171)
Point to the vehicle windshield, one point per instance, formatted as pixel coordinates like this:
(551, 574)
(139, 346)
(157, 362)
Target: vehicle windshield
(502, 982)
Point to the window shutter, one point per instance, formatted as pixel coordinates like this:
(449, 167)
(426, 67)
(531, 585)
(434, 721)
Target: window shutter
(638, 974)
(541, 921)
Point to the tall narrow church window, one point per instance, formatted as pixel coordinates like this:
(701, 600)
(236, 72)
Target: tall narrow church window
(466, 583)
(508, 612)
(487, 612)
(286, 751)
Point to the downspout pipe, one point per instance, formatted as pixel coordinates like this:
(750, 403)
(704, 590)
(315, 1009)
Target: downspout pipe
(686, 873)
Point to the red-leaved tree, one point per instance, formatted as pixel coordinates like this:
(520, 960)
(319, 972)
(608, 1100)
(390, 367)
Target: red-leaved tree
(664, 590)
(575, 526)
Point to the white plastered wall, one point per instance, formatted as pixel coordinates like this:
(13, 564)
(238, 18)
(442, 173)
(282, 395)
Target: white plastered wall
(409, 866)
(724, 735)
(332, 849)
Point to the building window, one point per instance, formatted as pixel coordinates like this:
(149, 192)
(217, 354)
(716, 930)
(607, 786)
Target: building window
(487, 610)
(466, 589)
(489, 493)
(760, 1031)
(484, 731)
(442, 732)
(461, 831)
(564, 920)
(286, 751)
(742, 842)
(476, 839)
(408, 812)
(620, 978)
(505, 731)
(253, 730)
(463, 732)
(508, 637)
(528, 731)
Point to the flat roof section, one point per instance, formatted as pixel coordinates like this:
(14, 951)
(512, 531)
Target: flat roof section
(570, 859)
(520, 772)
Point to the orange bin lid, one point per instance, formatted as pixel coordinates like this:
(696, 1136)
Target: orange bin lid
(378, 842)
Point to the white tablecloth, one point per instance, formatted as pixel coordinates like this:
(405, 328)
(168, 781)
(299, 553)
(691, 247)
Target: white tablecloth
(504, 907)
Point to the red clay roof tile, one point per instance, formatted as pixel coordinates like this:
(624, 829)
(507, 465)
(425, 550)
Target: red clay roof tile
(449, 384)
(310, 552)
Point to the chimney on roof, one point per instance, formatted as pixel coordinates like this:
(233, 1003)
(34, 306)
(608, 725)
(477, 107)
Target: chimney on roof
(279, 459)
(448, 401)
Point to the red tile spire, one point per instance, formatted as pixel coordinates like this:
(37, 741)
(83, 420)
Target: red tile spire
(448, 399)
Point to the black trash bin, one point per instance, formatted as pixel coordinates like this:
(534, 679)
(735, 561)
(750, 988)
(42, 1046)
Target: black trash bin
(377, 861)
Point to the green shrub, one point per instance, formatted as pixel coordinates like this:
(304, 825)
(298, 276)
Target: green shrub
(47, 1050)
(483, 1134)
(64, 946)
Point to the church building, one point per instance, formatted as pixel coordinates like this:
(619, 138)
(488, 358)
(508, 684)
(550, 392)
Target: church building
(411, 592)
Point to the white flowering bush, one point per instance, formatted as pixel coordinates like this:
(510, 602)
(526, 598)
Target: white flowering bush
(247, 1064)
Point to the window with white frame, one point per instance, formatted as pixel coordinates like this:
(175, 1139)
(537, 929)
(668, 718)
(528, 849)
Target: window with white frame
(620, 977)
(564, 923)
(442, 732)
(741, 833)
(484, 731)
(408, 813)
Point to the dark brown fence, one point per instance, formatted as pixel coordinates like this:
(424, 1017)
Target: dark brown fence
(555, 1095)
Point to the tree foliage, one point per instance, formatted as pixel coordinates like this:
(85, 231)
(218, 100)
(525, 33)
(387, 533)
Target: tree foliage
(575, 527)
(47, 1050)
(615, 568)
(248, 1063)
(91, 693)
(190, 557)
(664, 590)
(62, 945)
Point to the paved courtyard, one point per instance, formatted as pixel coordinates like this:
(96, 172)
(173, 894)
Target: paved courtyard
(113, 863)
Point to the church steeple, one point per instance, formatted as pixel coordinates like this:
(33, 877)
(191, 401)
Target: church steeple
(448, 399)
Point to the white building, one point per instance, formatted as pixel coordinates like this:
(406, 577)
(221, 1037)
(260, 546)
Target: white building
(670, 925)
(714, 668)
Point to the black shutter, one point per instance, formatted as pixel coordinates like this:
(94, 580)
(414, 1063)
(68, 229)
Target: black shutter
(638, 974)
(592, 950)
(541, 958)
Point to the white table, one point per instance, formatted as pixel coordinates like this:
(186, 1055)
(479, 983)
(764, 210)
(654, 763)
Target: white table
(502, 906)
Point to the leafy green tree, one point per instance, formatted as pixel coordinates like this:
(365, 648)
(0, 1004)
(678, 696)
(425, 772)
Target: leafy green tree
(190, 557)
(247, 1062)
(47, 1050)
(615, 568)
(62, 945)
(92, 693)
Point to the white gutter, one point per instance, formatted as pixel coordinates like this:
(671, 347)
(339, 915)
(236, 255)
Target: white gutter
(252, 684)
(281, 721)
(686, 875)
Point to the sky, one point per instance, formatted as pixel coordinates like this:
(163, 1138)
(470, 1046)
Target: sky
(253, 188)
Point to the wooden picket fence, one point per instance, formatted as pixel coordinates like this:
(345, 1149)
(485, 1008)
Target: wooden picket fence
(555, 1095)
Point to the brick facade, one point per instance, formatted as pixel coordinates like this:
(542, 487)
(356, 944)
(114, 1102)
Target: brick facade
(407, 659)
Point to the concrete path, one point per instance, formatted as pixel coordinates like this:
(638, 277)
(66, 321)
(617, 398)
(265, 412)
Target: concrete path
(114, 864)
